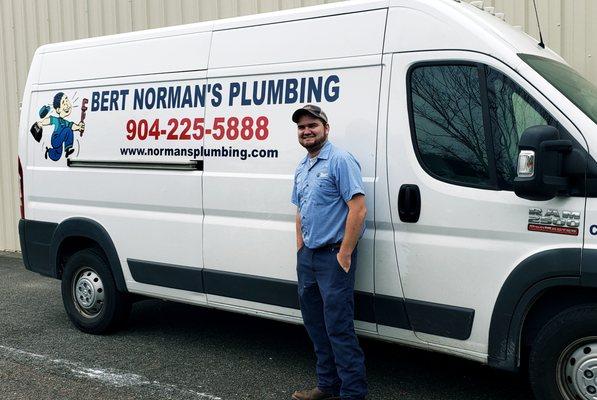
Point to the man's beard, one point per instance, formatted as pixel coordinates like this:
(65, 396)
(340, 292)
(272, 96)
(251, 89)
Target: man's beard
(315, 146)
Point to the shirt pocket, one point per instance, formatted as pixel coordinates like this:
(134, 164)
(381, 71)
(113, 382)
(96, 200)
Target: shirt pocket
(325, 191)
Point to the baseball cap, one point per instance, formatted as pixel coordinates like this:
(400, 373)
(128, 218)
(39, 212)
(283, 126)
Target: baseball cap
(310, 109)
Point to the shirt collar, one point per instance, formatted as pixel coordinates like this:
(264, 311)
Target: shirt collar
(324, 153)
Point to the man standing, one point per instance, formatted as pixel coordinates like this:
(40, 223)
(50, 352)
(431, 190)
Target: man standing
(328, 192)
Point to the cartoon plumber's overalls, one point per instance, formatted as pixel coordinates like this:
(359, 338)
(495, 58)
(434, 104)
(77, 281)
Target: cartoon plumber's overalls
(61, 137)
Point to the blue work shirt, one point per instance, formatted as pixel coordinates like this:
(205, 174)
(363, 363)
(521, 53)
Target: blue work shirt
(321, 191)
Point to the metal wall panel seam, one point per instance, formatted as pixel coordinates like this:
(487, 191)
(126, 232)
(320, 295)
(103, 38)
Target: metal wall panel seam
(7, 37)
(104, 10)
(246, 7)
(20, 34)
(530, 18)
(3, 121)
(580, 8)
(61, 13)
(136, 11)
(224, 9)
(155, 13)
(523, 16)
(190, 11)
(77, 20)
(173, 12)
(21, 57)
(43, 15)
(570, 43)
(9, 172)
(592, 16)
(32, 25)
(589, 26)
(68, 12)
(267, 5)
(556, 11)
(125, 22)
(95, 18)
(580, 58)
(567, 43)
(115, 19)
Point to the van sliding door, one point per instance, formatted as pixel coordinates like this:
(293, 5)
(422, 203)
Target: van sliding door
(252, 151)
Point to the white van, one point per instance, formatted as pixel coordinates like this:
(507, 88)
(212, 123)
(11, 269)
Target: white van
(160, 163)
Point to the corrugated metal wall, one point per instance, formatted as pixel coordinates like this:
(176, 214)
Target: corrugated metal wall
(27, 24)
(569, 27)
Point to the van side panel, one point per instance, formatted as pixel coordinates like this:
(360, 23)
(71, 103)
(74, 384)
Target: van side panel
(249, 227)
(348, 35)
(149, 56)
(150, 117)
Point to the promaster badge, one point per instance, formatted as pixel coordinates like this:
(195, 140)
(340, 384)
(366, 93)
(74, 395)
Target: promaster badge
(554, 221)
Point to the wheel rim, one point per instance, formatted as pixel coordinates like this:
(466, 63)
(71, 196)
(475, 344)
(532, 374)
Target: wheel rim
(577, 370)
(88, 292)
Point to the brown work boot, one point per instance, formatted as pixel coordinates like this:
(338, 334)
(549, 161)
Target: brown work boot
(313, 394)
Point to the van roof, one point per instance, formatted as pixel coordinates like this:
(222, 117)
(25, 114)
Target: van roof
(343, 7)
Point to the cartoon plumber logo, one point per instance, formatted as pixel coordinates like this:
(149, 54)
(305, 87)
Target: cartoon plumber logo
(62, 140)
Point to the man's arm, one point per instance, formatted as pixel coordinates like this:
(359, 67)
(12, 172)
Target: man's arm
(299, 234)
(357, 211)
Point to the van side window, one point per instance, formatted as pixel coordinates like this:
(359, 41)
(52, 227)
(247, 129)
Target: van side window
(512, 111)
(467, 120)
(447, 117)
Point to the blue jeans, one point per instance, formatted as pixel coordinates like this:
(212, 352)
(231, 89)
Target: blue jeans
(326, 294)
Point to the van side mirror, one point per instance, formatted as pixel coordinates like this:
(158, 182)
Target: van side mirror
(540, 171)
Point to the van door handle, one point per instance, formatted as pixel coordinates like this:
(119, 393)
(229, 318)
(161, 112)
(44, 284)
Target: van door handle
(409, 203)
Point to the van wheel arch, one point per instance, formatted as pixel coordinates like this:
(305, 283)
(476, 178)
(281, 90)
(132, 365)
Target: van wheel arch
(550, 303)
(75, 234)
(71, 245)
(532, 279)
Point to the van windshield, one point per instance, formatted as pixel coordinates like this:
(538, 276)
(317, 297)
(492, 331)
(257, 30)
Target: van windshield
(572, 85)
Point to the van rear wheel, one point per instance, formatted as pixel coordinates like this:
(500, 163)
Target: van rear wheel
(563, 357)
(89, 293)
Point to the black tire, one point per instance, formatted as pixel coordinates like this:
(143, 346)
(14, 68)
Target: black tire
(564, 350)
(100, 307)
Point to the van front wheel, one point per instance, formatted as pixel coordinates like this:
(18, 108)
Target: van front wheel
(89, 293)
(563, 357)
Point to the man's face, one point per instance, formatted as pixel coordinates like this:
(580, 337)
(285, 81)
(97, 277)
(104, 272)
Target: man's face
(312, 133)
(65, 107)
